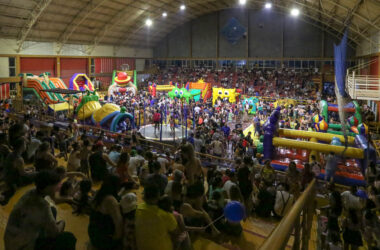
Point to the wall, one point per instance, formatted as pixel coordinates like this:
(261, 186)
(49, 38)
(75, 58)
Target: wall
(366, 48)
(9, 47)
(4, 67)
(269, 35)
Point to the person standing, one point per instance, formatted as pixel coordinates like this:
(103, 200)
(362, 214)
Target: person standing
(330, 168)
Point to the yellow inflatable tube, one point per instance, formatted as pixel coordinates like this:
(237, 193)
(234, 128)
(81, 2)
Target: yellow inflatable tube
(317, 135)
(164, 87)
(350, 152)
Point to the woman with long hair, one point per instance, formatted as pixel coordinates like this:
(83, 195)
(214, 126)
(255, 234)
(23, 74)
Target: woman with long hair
(106, 223)
(193, 167)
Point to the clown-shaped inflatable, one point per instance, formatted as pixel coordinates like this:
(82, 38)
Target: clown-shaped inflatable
(123, 82)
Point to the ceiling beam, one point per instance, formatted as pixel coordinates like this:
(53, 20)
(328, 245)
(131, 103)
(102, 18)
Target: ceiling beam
(33, 17)
(351, 12)
(76, 21)
(355, 14)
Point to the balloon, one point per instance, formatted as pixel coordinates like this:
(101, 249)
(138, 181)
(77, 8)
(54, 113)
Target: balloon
(234, 211)
(317, 118)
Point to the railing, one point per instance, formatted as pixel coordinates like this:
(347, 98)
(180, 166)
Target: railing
(363, 87)
(304, 209)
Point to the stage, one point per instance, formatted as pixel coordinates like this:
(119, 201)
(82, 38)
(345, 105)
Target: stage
(147, 132)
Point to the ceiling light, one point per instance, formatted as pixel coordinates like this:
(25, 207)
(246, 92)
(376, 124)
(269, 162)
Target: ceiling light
(164, 14)
(183, 7)
(242, 2)
(295, 12)
(268, 5)
(148, 22)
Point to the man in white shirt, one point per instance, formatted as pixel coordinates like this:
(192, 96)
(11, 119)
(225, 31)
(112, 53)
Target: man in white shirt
(135, 163)
(284, 200)
(229, 184)
(35, 142)
(350, 200)
(165, 164)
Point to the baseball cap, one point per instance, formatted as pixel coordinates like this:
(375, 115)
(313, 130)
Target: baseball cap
(128, 203)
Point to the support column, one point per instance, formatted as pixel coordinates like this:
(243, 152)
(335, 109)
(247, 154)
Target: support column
(58, 66)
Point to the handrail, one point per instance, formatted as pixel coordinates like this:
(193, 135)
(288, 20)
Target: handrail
(280, 235)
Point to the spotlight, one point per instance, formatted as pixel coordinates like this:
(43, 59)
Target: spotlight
(183, 7)
(164, 14)
(268, 6)
(295, 12)
(148, 22)
(242, 2)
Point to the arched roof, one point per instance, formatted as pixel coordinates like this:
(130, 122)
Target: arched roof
(122, 22)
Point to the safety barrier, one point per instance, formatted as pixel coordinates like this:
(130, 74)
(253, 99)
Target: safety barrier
(304, 209)
(363, 87)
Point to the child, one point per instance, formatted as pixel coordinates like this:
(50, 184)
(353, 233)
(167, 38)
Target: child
(73, 164)
(182, 240)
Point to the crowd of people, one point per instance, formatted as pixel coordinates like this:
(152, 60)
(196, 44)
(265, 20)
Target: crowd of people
(182, 196)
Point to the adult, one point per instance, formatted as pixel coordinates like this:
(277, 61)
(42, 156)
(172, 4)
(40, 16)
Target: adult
(267, 173)
(98, 162)
(33, 145)
(153, 225)
(106, 224)
(156, 121)
(14, 172)
(244, 179)
(122, 171)
(31, 224)
(283, 201)
(157, 179)
(293, 179)
(44, 159)
(331, 166)
(193, 167)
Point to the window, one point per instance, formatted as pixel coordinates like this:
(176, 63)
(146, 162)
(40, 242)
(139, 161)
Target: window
(311, 64)
(291, 64)
(278, 64)
(12, 66)
(297, 64)
(260, 64)
(305, 64)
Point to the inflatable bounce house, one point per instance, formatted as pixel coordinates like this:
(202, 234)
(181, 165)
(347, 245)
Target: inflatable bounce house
(222, 93)
(153, 88)
(108, 116)
(203, 87)
(39, 87)
(80, 81)
(252, 104)
(354, 123)
(182, 93)
(123, 82)
(285, 145)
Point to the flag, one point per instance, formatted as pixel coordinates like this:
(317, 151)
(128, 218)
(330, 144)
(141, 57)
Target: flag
(340, 53)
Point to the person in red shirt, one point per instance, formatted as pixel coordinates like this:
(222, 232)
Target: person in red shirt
(156, 120)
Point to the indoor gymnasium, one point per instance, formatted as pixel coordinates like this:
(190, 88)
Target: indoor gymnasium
(189, 124)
